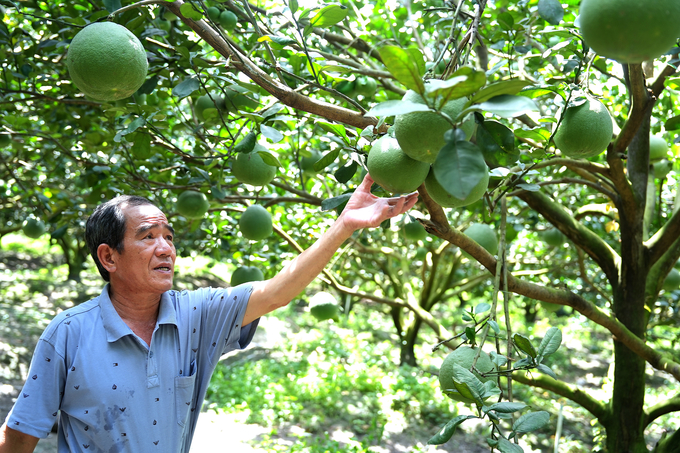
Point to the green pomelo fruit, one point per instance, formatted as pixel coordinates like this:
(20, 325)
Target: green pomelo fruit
(366, 86)
(661, 168)
(585, 130)
(630, 31)
(414, 231)
(421, 134)
(483, 235)
(464, 356)
(192, 204)
(323, 306)
(214, 13)
(658, 148)
(255, 223)
(228, 20)
(307, 162)
(249, 168)
(553, 237)
(446, 200)
(5, 140)
(106, 61)
(672, 280)
(34, 228)
(205, 102)
(393, 170)
(246, 274)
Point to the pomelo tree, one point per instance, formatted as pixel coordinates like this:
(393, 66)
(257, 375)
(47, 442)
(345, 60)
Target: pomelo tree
(288, 72)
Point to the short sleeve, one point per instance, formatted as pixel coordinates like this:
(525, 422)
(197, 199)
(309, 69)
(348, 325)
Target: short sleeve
(36, 408)
(225, 309)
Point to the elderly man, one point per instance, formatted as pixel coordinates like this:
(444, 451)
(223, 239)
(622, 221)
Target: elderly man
(128, 370)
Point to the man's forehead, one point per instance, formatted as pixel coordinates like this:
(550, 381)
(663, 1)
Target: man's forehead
(145, 214)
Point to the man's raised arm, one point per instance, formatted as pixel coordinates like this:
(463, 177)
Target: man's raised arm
(363, 210)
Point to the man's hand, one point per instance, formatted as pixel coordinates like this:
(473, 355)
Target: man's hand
(365, 210)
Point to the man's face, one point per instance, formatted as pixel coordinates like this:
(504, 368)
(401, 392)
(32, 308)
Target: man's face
(147, 263)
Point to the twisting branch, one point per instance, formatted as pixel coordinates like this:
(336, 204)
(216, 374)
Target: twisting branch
(281, 91)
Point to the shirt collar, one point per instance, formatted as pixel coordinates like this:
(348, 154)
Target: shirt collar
(116, 328)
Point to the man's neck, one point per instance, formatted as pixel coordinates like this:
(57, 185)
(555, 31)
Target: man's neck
(139, 312)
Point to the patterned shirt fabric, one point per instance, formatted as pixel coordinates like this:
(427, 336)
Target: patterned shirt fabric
(111, 391)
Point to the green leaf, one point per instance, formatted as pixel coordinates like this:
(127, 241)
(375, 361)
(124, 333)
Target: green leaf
(467, 384)
(506, 407)
(459, 168)
(672, 123)
(444, 434)
(494, 326)
(247, 144)
(344, 174)
(497, 143)
(393, 108)
(470, 334)
(141, 148)
(551, 11)
(505, 446)
(405, 66)
(545, 369)
(531, 421)
(332, 203)
(542, 91)
(148, 86)
(190, 12)
(551, 342)
(506, 21)
(335, 129)
(538, 135)
(524, 345)
(508, 106)
(112, 5)
(271, 133)
(467, 81)
(481, 308)
(328, 16)
(293, 5)
(326, 160)
(186, 86)
(512, 86)
(269, 159)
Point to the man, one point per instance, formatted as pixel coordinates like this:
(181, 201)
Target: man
(128, 370)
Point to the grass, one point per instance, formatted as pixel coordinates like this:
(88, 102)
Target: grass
(331, 377)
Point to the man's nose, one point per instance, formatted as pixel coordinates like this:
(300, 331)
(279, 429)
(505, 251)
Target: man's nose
(164, 247)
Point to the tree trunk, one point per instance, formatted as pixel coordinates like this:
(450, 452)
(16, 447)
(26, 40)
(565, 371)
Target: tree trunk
(407, 354)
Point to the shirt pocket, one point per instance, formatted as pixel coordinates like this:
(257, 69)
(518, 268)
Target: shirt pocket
(184, 396)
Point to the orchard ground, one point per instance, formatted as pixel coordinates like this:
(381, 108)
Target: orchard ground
(34, 288)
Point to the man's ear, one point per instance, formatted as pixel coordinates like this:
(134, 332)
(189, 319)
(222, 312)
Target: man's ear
(106, 257)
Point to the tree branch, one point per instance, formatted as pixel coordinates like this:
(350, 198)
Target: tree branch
(280, 91)
(598, 409)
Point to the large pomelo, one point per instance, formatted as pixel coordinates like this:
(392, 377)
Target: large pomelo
(192, 204)
(256, 223)
(630, 31)
(106, 61)
(585, 130)
(249, 168)
(392, 169)
(421, 134)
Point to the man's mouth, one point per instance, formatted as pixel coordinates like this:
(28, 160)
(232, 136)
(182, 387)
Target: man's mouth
(162, 268)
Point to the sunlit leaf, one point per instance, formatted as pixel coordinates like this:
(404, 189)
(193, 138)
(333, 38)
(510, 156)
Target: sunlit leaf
(444, 434)
(403, 66)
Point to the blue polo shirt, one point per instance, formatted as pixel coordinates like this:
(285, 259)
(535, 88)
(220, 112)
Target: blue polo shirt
(112, 392)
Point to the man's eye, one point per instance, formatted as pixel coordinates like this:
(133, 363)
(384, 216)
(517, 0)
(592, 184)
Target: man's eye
(170, 238)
